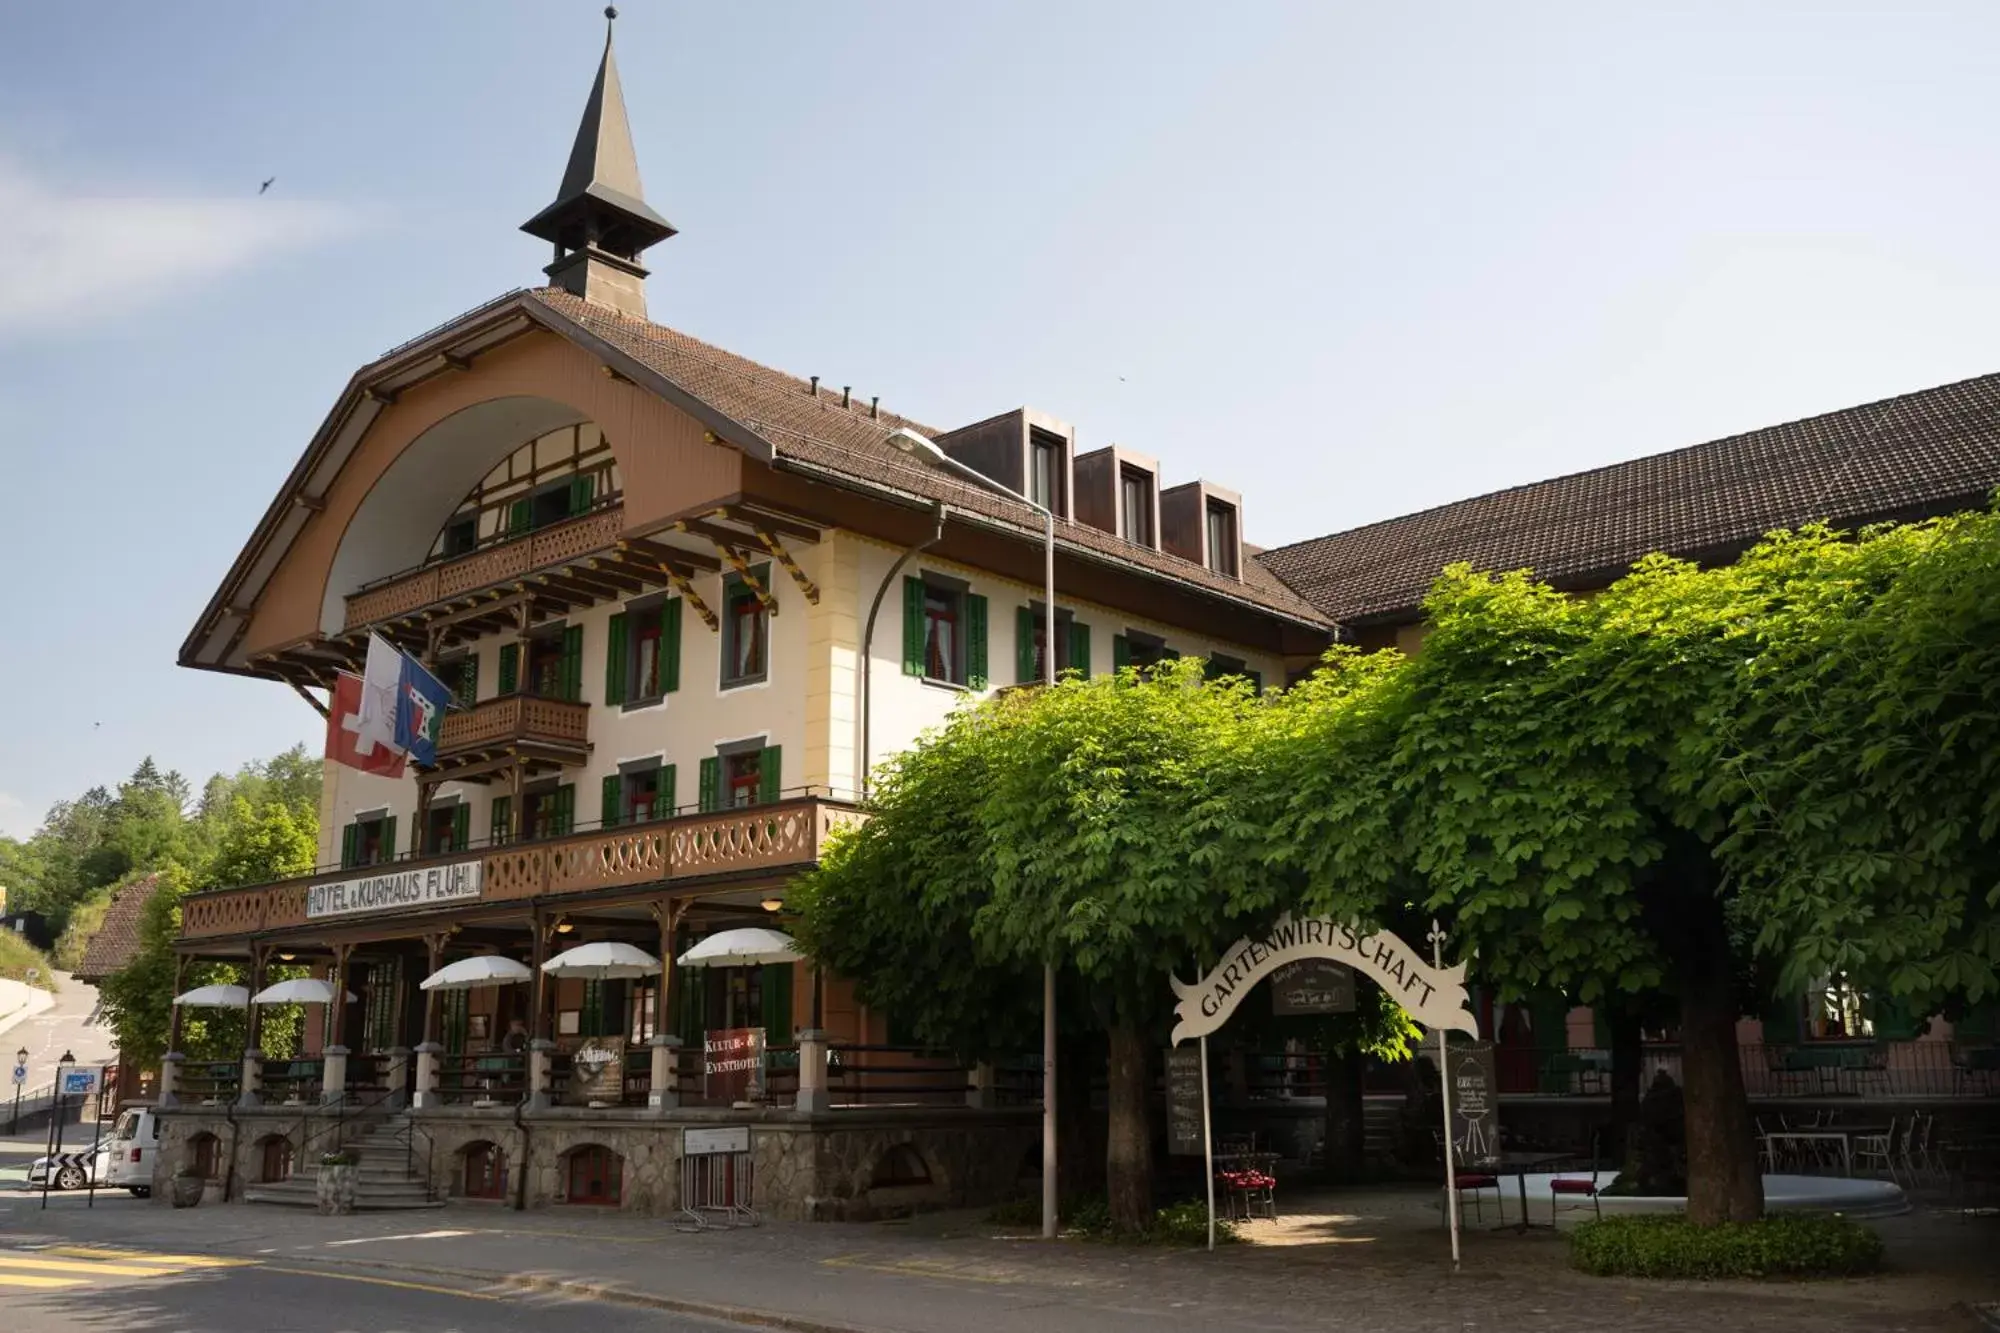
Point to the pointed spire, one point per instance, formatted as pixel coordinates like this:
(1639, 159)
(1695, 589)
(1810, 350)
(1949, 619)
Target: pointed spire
(600, 222)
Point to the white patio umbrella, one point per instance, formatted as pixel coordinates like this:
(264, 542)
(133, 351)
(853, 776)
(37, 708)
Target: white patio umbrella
(299, 990)
(214, 997)
(472, 973)
(605, 960)
(750, 946)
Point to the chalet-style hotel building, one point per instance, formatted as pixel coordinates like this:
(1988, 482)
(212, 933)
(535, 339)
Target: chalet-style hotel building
(686, 603)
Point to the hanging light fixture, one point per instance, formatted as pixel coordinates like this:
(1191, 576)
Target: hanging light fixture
(772, 904)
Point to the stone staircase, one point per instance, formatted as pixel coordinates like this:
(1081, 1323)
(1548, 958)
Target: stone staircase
(1378, 1117)
(383, 1179)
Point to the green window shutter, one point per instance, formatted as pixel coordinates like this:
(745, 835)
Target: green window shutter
(1079, 648)
(1024, 646)
(975, 641)
(614, 798)
(461, 827)
(1121, 652)
(581, 492)
(769, 768)
(572, 664)
(520, 517)
(614, 659)
(777, 1004)
(1896, 1019)
(591, 1020)
(1783, 1016)
(468, 680)
(711, 784)
(1210, 668)
(670, 646)
(689, 1020)
(503, 813)
(510, 667)
(350, 843)
(913, 625)
(389, 838)
(564, 817)
(663, 800)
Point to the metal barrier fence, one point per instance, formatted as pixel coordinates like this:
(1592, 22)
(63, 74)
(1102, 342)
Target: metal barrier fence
(1772, 1069)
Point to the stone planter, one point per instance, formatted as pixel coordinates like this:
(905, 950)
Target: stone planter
(187, 1191)
(337, 1186)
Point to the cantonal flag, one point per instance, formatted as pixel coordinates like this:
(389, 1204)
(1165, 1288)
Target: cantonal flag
(365, 745)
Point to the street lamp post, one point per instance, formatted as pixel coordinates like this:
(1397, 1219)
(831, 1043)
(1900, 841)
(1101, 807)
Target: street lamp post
(909, 442)
(63, 1066)
(20, 1077)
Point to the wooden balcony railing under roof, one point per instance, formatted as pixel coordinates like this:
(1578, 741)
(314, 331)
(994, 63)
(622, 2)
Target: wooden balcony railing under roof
(554, 731)
(780, 838)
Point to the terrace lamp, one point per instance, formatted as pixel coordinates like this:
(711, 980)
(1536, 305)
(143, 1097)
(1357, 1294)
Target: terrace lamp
(918, 446)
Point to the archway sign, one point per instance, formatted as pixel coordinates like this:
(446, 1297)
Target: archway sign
(1432, 994)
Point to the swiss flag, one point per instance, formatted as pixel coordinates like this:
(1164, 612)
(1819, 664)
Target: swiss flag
(352, 742)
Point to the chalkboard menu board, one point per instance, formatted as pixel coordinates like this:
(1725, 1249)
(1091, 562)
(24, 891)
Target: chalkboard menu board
(1184, 1101)
(1475, 1105)
(1312, 986)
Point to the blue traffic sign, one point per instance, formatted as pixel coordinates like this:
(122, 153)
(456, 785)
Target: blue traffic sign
(20, 1073)
(79, 1082)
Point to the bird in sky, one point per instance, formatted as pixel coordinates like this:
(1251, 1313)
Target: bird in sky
(267, 184)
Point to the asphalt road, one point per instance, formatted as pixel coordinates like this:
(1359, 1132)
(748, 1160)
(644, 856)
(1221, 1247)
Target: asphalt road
(80, 1290)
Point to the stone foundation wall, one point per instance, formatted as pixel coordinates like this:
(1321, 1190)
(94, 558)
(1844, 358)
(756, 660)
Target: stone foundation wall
(849, 1165)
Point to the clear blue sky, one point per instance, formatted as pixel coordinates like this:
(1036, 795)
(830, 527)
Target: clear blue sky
(1349, 259)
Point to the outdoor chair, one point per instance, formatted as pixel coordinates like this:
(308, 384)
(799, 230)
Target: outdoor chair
(1878, 1150)
(1561, 1187)
(1471, 1184)
(1920, 1151)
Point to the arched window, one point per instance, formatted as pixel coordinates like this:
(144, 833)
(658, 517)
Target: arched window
(900, 1165)
(274, 1158)
(204, 1155)
(485, 1172)
(593, 1174)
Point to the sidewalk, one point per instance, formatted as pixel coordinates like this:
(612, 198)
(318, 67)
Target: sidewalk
(1382, 1267)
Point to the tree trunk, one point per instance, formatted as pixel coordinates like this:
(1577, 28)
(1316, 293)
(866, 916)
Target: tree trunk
(1725, 1183)
(1128, 1152)
(1346, 1126)
(1627, 1056)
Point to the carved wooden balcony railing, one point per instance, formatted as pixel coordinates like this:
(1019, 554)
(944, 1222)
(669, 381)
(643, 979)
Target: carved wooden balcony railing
(554, 545)
(780, 838)
(510, 718)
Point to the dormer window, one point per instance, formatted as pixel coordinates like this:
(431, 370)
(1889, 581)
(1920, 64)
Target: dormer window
(1045, 471)
(1222, 543)
(1135, 506)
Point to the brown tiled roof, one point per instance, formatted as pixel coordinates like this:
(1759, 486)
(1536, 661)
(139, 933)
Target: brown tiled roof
(116, 942)
(819, 432)
(1922, 453)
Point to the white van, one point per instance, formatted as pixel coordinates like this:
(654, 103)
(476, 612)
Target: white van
(127, 1160)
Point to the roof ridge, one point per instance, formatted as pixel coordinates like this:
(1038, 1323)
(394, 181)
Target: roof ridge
(1855, 409)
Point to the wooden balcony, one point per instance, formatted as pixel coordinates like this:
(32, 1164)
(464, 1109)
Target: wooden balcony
(501, 563)
(494, 725)
(781, 839)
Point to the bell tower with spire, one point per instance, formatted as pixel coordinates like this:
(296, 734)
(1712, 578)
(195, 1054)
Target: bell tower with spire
(600, 222)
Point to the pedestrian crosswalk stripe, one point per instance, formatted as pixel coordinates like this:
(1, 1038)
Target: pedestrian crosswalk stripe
(144, 1257)
(14, 1260)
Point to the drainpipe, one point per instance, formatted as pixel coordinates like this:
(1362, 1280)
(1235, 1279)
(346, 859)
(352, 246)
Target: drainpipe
(235, 1132)
(938, 513)
(521, 1168)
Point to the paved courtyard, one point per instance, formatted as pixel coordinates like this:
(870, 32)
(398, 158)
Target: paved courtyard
(1371, 1262)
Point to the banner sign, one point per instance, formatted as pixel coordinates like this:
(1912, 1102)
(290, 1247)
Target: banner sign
(395, 891)
(597, 1071)
(1434, 997)
(1312, 986)
(1184, 1101)
(732, 1067)
(716, 1142)
(1475, 1105)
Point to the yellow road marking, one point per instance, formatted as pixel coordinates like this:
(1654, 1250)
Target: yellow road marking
(920, 1268)
(386, 1282)
(15, 1260)
(145, 1257)
(37, 1280)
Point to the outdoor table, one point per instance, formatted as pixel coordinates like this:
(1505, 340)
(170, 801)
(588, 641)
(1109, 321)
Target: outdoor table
(1841, 1136)
(1518, 1165)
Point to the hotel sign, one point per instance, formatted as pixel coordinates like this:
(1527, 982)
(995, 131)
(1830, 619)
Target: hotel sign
(395, 891)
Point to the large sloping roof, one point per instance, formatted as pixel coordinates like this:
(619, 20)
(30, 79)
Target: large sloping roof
(116, 942)
(1922, 453)
(848, 442)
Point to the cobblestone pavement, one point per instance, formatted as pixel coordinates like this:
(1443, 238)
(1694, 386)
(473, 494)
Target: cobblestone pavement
(1374, 1262)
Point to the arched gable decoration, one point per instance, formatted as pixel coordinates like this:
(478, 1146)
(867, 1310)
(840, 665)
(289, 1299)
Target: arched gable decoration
(1434, 997)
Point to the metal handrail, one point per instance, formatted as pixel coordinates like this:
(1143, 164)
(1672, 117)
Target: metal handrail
(340, 1110)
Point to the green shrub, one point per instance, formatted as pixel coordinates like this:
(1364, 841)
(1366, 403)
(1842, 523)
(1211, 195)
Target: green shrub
(1668, 1246)
(1187, 1224)
(1089, 1215)
(18, 958)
